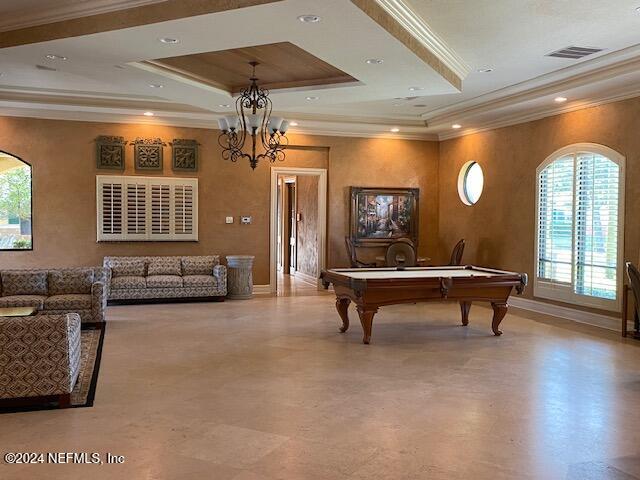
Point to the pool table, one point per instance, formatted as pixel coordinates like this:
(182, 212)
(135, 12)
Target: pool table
(371, 288)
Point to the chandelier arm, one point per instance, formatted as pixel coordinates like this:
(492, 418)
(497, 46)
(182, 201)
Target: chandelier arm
(265, 135)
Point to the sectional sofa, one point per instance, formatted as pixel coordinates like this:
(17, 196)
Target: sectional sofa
(160, 277)
(57, 291)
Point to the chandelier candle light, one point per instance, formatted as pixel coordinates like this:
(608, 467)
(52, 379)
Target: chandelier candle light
(253, 118)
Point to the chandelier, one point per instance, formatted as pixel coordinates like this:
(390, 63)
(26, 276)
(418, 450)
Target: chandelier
(253, 119)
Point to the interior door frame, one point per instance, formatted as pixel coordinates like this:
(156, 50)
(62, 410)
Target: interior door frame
(321, 173)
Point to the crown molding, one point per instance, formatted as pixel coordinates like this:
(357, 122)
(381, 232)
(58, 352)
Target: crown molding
(606, 67)
(31, 17)
(197, 120)
(422, 32)
(530, 116)
(407, 27)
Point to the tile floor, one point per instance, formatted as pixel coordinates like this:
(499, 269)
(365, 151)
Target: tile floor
(268, 389)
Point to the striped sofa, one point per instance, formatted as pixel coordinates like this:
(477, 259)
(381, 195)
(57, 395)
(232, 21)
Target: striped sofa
(159, 277)
(57, 291)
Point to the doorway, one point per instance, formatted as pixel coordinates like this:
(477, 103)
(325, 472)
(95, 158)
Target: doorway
(298, 227)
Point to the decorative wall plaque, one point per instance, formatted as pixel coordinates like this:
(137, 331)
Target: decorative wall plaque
(110, 152)
(148, 153)
(185, 155)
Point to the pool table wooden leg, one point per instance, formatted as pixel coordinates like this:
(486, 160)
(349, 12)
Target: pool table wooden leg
(342, 305)
(464, 309)
(499, 311)
(366, 319)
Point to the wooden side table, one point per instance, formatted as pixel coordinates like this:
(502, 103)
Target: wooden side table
(17, 311)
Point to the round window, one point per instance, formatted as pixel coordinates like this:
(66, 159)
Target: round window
(470, 183)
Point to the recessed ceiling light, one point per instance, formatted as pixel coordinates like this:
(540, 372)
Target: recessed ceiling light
(456, 126)
(169, 40)
(293, 124)
(156, 85)
(148, 114)
(52, 56)
(638, 9)
(395, 129)
(309, 18)
(560, 99)
(374, 61)
(485, 70)
(415, 89)
(311, 99)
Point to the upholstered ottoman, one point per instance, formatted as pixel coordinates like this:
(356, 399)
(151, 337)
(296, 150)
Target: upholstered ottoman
(39, 356)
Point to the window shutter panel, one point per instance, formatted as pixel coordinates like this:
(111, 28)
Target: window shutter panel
(160, 209)
(136, 210)
(110, 209)
(183, 198)
(596, 242)
(555, 220)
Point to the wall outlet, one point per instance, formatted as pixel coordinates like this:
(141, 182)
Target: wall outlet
(229, 220)
(245, 220)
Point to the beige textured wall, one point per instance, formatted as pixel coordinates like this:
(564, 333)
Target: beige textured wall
(500, 228)
(307, 227)
(63, 157)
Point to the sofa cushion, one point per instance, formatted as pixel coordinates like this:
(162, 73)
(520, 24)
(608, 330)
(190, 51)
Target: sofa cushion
(27, 282)
(68, 302)
(76, 280)
(164, 281)
(127, 267)
(23, 301)
(201, 265)
(128, 281)
(164, 266)
(199, 281)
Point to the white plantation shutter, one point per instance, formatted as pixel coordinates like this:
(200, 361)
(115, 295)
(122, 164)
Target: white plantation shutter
(110, 209)
(136, 208)
(147, 208)
(555, 220)
(184, 205)
(160, 209)
(580, 227)
(597, 198)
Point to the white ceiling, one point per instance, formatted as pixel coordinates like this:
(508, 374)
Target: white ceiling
(102, 80)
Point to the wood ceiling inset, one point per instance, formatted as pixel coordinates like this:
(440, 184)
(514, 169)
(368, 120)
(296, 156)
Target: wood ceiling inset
(282, 65)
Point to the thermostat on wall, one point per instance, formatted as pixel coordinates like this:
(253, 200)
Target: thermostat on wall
(245, 220)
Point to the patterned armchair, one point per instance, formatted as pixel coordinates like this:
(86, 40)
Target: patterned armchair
(40, 356)
(57, 291)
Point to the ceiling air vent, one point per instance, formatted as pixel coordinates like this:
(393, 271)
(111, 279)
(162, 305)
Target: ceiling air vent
(574, 52)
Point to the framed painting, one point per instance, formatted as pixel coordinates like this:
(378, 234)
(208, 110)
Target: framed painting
(381, 215)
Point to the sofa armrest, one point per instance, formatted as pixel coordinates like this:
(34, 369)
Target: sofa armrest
(220, 273)
(74, 326)
(22, 374)
(98, 301)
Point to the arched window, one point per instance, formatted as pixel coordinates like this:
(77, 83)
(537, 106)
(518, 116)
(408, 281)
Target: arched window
(15, 203)
(580, 226)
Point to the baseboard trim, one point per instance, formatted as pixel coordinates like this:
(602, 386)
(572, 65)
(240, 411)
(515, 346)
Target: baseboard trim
(262, 289)
(310, 279)
(594, 319)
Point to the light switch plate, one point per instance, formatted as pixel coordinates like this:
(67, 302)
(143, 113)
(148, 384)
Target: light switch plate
(229, 220)
(245, 220)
